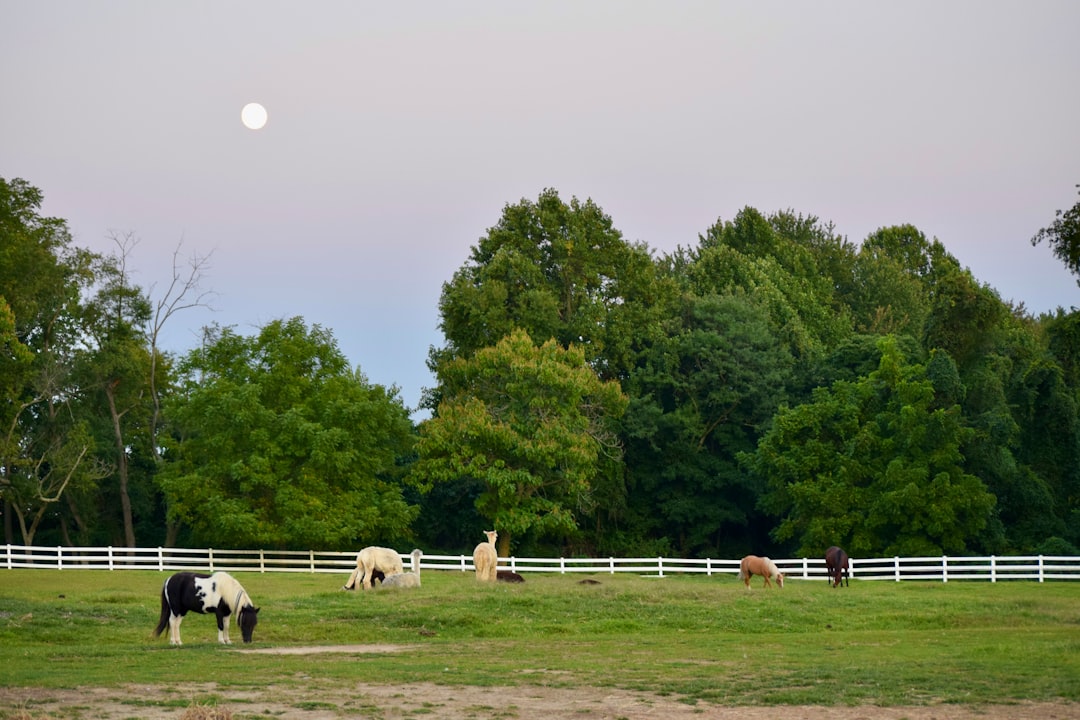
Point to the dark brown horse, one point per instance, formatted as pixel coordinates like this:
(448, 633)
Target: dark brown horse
(836, 564)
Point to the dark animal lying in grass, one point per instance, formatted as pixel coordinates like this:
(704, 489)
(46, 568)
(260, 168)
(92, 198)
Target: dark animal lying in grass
(376, 576)
(508, 576)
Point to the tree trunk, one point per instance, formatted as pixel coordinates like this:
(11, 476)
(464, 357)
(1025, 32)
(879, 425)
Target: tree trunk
(9, 531)
(121, 467)
(171, 531)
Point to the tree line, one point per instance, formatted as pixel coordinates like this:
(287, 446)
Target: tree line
(772, 388)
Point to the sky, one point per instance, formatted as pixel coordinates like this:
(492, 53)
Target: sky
(397, 133)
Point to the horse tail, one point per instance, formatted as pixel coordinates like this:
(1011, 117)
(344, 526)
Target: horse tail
(164, 620)
(744, 573)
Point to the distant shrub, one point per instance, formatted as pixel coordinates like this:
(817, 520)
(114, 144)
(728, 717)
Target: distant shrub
(1056, 546)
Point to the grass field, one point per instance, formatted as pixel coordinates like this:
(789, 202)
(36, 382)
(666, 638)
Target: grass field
(701, 639)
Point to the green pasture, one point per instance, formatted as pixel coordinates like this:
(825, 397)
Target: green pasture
(701, 639)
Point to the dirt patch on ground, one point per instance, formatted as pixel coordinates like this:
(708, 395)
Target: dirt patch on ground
(319, 701)
(439, 702)
(315, 649)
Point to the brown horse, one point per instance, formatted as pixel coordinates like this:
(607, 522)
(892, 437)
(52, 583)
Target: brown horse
(752, 565)
(836, 565)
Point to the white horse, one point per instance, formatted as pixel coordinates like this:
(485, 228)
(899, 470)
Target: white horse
(219, 593)
(752, 565)
(406, 580)
(486, 558)
(372, 558)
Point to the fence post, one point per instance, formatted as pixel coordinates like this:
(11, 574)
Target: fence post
(562, 565)
(896, 564)
(708, 567)
(660, 565)
(993, 569)
(1040, 568)
(9, 556)
(59, 558)
(110, 558)
(513, 564)
(311, 559)
(210, 558)
(160, 559)
(805, 569)
(462, 563)
(611, 563)
(944, 568)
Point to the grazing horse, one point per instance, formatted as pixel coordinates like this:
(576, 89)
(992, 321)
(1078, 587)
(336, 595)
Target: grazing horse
(374, 559)
(219, 593)
(752, 565)
(836, 564)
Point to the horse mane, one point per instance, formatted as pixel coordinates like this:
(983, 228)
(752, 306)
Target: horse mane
(219, 594)
(232, 592)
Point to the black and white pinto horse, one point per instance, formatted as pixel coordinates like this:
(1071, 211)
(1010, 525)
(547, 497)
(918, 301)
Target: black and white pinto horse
(219, 594)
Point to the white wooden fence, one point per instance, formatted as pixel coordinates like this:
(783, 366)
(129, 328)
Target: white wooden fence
(940, 568)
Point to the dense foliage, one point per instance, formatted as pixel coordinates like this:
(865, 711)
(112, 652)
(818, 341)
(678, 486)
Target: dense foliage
(276, 442)
(771, 388)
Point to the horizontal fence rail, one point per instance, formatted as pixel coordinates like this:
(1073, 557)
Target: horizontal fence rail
(936, 568)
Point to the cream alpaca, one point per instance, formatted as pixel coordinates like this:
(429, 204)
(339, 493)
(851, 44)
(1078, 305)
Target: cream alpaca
(372, 558)
(486, 558)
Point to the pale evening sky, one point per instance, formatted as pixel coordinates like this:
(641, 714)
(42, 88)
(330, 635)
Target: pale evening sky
(397, 132)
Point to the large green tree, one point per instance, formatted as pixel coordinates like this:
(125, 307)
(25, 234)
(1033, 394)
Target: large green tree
(47, 449)
(702, 396)
(533, 425)
(558, 271)
(114, 379)
(873, 465)
(278, 443)
(788, 277)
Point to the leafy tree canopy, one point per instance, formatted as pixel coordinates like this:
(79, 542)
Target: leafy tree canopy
(753, 254)
(1063, 237)
(532, 424)
(556, 270)
(699, 398)
(873, 465)
(279, 444)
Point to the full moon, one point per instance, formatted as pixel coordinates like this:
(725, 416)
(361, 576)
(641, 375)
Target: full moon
(253, 116)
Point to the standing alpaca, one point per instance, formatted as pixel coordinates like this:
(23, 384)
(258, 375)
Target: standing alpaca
(370, 560)
(406, 580)
(485, 558)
